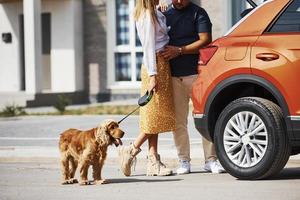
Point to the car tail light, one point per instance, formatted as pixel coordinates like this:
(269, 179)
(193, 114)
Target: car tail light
(206, 54)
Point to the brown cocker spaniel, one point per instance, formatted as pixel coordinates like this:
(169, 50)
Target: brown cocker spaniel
(85, 148)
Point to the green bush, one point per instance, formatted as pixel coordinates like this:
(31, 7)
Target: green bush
(62, 103)
(12, 110)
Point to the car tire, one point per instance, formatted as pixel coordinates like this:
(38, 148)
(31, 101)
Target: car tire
(251, 140)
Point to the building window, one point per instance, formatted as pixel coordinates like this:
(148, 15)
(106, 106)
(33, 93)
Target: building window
(123, 66)
(123, 46)
(122, 22)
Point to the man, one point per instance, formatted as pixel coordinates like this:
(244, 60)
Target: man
(190, 30)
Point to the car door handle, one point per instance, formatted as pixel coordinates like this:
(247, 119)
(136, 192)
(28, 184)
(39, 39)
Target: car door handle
(267, 56)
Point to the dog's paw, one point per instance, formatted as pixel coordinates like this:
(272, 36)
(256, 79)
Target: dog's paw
(85, 183)
(100, 182)
(65, 182)
(73, 181)
(70, 181)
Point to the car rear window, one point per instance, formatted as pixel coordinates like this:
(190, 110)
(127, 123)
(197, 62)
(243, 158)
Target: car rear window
(289, 21)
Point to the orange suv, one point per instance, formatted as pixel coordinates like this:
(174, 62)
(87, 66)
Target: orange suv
(247, 96)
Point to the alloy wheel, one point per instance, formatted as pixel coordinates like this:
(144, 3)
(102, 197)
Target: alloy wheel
(245, 139)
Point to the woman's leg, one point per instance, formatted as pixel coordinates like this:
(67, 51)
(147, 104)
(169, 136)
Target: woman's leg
(139, 141)
(152, 142)
(127, 154)
(154, 166)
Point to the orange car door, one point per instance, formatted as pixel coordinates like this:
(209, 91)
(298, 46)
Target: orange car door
(276, 56)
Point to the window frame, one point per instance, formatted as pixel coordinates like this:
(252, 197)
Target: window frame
(113, 48)
(267, 31)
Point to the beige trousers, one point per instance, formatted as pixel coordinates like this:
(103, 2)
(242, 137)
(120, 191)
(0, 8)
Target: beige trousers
(182, 91)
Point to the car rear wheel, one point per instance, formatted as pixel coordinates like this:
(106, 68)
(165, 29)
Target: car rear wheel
(250, 138)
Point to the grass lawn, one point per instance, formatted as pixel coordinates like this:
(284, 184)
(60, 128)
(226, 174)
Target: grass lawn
(89, 110)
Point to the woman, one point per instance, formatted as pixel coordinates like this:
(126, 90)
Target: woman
(158, 115)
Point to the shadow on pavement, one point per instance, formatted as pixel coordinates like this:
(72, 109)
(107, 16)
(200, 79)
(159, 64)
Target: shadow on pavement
(206, 172)
(288, 173)
(135, 180)
(174, 173)
(285, 174)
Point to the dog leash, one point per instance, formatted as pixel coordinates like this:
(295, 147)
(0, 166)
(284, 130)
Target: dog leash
(144, 100)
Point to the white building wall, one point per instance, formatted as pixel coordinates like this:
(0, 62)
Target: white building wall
(78, 43)
(216, 14)
(66, 46)
(10, 79)
(33, 46)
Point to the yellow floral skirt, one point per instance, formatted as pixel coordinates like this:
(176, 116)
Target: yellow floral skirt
(158, 115)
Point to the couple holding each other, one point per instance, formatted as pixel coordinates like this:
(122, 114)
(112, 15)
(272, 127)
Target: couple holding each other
(171, 43)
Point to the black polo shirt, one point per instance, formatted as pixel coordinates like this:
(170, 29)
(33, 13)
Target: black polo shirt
(185, 25)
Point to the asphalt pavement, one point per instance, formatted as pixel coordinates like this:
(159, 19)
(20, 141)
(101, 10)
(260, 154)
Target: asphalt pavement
(29, 167)
(37, 136)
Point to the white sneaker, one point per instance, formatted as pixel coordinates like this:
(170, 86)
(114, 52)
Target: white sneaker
(214, 167)
(184, 168)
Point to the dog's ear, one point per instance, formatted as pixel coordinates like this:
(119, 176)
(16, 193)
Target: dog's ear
(101, 135)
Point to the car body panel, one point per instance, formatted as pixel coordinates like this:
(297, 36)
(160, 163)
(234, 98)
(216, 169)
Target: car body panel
(221, 67)
(240, 54)
(259, 19)
(279, 71)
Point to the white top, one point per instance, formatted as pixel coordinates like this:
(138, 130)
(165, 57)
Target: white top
(153, 39)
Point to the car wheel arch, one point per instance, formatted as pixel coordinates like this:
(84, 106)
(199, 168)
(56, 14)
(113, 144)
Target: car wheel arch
(236, 80)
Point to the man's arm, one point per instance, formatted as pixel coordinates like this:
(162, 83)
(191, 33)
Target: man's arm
(171, 52)
(193, 48)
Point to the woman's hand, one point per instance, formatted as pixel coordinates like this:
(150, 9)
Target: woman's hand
(163, 5)
(152, 85)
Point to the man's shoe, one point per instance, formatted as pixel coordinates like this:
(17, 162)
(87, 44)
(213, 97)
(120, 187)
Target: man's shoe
(214, 167)
(184, 167)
